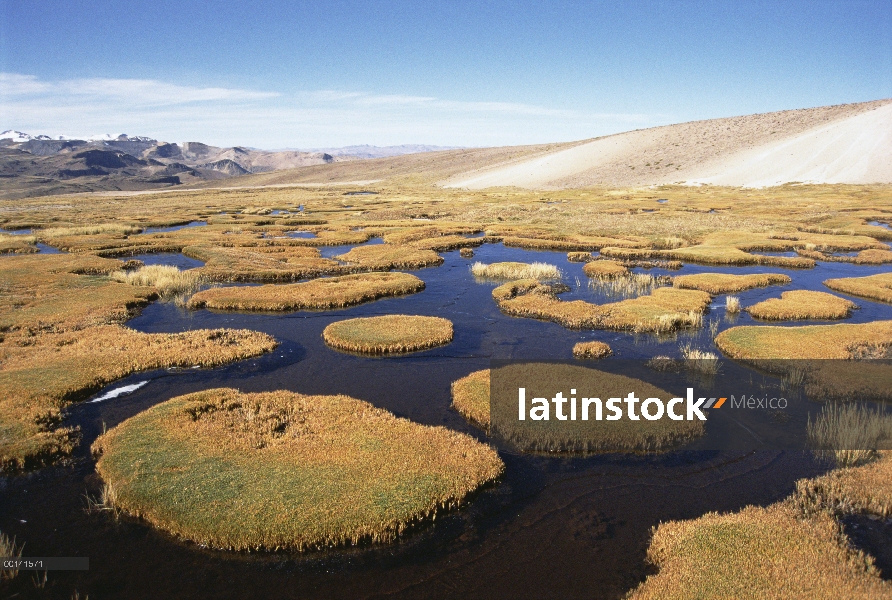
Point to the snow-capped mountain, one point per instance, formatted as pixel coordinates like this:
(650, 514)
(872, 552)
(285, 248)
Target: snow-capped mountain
(18, 136)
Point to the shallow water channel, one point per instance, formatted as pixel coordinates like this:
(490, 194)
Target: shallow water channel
(557, 527)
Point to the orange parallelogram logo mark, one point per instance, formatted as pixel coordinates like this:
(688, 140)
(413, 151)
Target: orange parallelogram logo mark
(715, 403)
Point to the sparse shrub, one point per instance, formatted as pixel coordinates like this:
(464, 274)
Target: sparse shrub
(169, 281)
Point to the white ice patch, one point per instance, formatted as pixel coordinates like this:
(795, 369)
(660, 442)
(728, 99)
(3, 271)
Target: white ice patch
(121, 391)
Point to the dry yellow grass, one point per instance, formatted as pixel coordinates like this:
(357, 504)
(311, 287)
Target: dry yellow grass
(875, 287)
(515, 270)
(802, 304)
(732, 305)
(382, 257)
(326, 293)
(725, 283)
(168, 281)
(758, 553)
(283, 470)
(470, 397)
(271, 263)
(808, 342)
(864, 489)
(604, 269)
(666, 309)
(580, 257)
(17, 244)
(59, 292)
(466, 253)
(40, 379)
(850, 433)
(589, 350)
(388, 334)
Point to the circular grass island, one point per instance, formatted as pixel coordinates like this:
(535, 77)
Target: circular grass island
(388, 334)
(280, 470)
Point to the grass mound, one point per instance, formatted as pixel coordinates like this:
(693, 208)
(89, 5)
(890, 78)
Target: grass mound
(665, 309)
(724, 283)
(284, 470)
(264, 263)
(591, 350)
(470, 397)
(842, 341)
(802, 304)
(515, 270)
(38, 380)
(604, 269)
(383, 257)
(758, 553)
(388, 334)
(333, 292)
(874, 287)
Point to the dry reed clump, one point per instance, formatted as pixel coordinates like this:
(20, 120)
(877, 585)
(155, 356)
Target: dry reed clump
(168, 281)
(666, 309)
(280, 470)
(466, 253)
(383, 257)
(758, 553)
(515, 270)
(470, 397)
(9, 549)
(591, 350)
(326, 293)
(604, 269)
(802, 304)
(699, 361)
(39, 379)
(864, 489)
(582, 257)
(60, 292)
(851, 434)
(388, 334)
(725, 283)
(732, 305)
(875, 287)
(808, 342)
(628, 285)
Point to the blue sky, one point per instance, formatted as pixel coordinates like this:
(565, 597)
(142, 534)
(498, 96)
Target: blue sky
(318, 74)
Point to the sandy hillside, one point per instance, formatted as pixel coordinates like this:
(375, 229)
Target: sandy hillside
(850, 143)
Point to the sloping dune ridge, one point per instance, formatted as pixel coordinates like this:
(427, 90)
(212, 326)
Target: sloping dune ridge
(849, 143)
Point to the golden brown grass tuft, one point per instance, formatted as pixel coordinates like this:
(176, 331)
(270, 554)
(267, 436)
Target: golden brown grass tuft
(39, 379)
(591, 350)
(732, 305)
(875, 287)
(168, 281)
(281, 470)
(699, 361)
(388, 334)
(326, 293)
(466, 253)
(582, 257)
(604, 269)
(515, 270)
(725, 283)
(265, 263)
(802, 304)
(470, 397)
(850, 433)
(758, 553)
(101, 228)
(8, 549)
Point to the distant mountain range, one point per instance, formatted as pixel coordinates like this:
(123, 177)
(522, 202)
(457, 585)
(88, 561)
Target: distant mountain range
(33, 165)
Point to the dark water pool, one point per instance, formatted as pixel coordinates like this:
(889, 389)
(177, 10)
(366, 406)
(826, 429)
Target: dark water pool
(554, 527)
(173, 259)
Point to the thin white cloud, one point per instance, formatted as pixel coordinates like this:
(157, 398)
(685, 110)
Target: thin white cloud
(270, 119)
